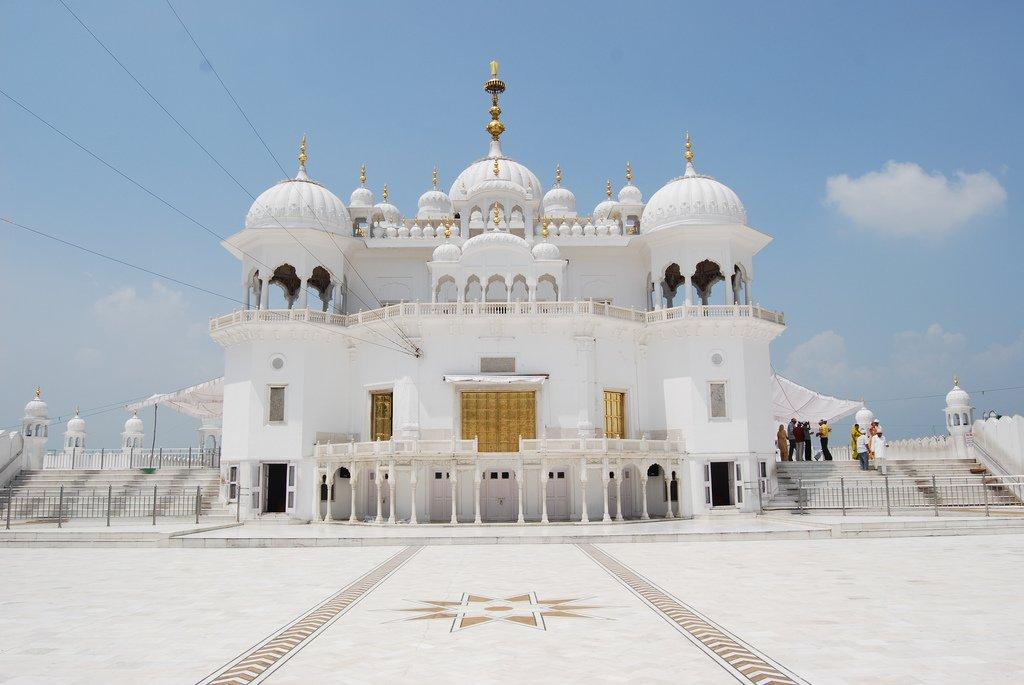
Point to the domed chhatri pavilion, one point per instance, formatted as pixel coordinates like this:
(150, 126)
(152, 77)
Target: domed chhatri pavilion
(499, 356)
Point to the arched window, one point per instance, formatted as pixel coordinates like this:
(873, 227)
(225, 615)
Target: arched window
(285, 277)
(28, 430)
(343, 473)
(446, 290)
(966, 422)
(705, 276)
(520, 291)
(670, 285)
(474, 292)
(956, 419)
(497, 289)
(71, 442)
(320, 281)
(653, 470)
(547, 289)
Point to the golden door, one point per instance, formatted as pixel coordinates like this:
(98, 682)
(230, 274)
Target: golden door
(380, 416)
(614, 414)
(497, 419)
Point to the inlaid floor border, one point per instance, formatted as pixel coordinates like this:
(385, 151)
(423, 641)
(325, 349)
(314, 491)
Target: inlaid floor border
(259, 661)
(741, 660)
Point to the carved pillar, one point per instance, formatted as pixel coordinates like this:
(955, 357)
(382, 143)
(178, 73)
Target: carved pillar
(316, 494)
(643, 495)
(667, 472)
(543, 492)
(412, 493)
(476, 495)
(392, 477)
(454, 479)
(330, 491)
(264, 293)
(618, 491)
(604, 489)
(352, 493)
(303, 292)
(379, 488)
(584, 517)
(520, 472)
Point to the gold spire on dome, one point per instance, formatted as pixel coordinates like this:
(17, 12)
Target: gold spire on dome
(303, 157)
(629, 174)
(956, 380)
(39, 391)
(689, 149)
(608, 188)
(495, 86)
(433, 178)
(362, 174)
(77, 411)
(558, 174)
(384, 192)
(544, 229)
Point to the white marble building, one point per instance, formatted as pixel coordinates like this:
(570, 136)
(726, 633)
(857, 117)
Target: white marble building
(500, 356)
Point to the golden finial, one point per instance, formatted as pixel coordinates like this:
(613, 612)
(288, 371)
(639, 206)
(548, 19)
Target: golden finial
(558, 174)
(303, 157)
(495, 169)
(362, 174)
(495, 86)
(433, 178)
(956, 380)
(384, 192)
(544, 230)
(629, 174)
(689, 149)
(608, 188)
(497, 215)
(77, 411)
(447, 229)
(39, 391)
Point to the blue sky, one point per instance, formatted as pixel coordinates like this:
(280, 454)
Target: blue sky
(893, 276)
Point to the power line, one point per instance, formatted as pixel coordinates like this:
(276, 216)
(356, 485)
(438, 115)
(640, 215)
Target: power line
(213, 158)
(241, 111)
(943, 394)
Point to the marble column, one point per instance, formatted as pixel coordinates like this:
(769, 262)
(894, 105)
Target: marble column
(668, 491)
(352, 494)
(304, 293)
(412, 493)
(519, 491)
(315, 514)
(618, 492)
(605, 480)
(543, 492)
(643, 494)
(392, 477)
(264, 293)
(330, 492)
(476, 495)
(584, 517)
(379, 488)
(454, 479)
(586, 373)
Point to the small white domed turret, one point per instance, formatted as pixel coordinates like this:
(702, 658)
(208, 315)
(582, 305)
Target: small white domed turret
(544, 251)
(607, 206)
(446, 252)
(362, 196)
(629, 194)
(36, 407)
(133, 425)
(76, 424)
(434, 204)
(559, 201)
(385, 211)
(957, 397)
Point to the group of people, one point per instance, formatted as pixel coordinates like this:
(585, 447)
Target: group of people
(867, 445)
(794, 440)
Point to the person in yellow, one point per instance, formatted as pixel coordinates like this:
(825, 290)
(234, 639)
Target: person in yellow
(855, 433)
(823, 430)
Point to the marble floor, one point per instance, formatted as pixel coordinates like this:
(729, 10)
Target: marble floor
(843, 611)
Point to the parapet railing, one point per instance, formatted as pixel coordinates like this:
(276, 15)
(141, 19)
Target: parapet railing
(61, 504)
(935, 493)
(382, 449)
(602, 445)
(565, 308)
(114, 460)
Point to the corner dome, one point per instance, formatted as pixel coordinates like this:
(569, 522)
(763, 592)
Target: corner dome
(36, 408)
(76, 424)
(957, 397)
(434, 204)
(361, 197)
(604, 209)
(446, 252)
(515, 175)
(631, 195)
(559, 202)
(546, 251)
(298, 203)
(133, 425)
(692, 199)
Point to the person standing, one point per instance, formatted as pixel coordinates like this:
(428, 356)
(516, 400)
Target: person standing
(791, 437)
(823, 431)
(808, 450)
(878, 447)
(798, 436)
(855, 433)
(782, 442)
(862, 450)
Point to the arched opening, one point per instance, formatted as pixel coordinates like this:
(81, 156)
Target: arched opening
(516, 223)
(740, 286)
(474, 291)
(285, 277)
(253, 288)
(446, 290)
(547, 289)
(670, 286)
(476, 221)
(520, 291)
(320, 281)
(706, 274)
(656, 502)
(341, 494)
(497, 289)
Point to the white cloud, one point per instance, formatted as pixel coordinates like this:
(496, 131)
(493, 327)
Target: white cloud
(903, 199)
(821, 363)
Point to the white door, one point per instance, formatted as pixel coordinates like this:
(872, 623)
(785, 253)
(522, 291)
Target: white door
(498, 495)
(558, 495)
(440, 496)
(290, 496)
(737, 482)
(707, 484)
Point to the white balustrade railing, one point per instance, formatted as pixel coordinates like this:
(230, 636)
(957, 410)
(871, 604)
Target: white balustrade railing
(112, 460)
(383, 449)
(564, 308)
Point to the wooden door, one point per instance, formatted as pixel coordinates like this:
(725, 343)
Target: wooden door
(498, 419)
(381, 415)
(614, 414)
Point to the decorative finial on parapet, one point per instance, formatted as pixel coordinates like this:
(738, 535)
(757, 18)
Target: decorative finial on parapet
(303, 157)
(629, 174)
(689, 149)
(384, 192)
(447, 229)
(362, 174)
(558, 174)
(608, 188)
(433, 178)
(544, 229)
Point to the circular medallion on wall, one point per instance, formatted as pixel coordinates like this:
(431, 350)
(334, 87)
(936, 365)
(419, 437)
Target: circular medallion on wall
(277, 362)
(717, 358)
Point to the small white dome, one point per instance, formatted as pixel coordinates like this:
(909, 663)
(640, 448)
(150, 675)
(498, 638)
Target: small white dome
(133, 425)
(361, 197)
(604, 209)
(957, 397)
(631, 195)
(559, 202)
(493, 239)
(434, 204)
(446, 252)
(692, 199)
(864, 417)
(36, 408)
(76, 424)
(546, 251)
(388, 212)
(298, 203)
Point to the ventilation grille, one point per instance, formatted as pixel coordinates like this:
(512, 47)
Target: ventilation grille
(497, 364)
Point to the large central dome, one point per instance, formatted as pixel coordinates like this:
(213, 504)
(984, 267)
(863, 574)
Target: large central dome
(509, 171)
(298, 202)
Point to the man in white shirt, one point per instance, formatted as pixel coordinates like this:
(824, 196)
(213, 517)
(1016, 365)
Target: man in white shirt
(878, 446)
(862, 451)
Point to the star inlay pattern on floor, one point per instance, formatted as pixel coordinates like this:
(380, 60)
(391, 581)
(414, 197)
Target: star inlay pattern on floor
(522, 610)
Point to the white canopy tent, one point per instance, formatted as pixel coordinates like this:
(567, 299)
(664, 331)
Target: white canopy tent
(202, 401)
(791, 400)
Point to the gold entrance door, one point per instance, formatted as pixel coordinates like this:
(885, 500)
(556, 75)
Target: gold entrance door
(380, 415)
(614, 414)
(497, 419)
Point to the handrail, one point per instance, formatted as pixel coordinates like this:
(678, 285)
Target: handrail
(934, 492)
